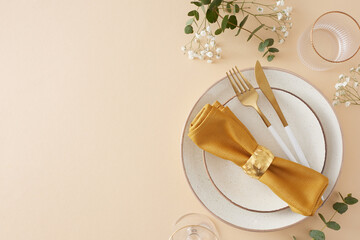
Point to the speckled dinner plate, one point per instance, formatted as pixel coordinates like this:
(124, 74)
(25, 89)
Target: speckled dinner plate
(222, 186)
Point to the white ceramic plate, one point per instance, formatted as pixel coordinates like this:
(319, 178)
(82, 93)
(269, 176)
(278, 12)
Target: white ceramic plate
(248, 193)
(297, 98)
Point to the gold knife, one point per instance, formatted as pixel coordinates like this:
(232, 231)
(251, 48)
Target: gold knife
(266, 89)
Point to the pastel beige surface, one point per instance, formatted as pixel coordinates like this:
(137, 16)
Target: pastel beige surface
(93, 99)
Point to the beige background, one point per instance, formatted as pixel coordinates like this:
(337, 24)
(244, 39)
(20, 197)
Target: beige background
(93, 98)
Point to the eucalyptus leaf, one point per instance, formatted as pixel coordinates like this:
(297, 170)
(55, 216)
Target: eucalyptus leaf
(253, 32)
(218, 31)
(333, 225)
(340, 207)
(228, 7)
(232, 22)
(322, 218)
(211, 15)
(197, 15)
(205, 2)
(269, 42)
(189, 29)
(273, 50)
(350, 199)
(270, 58)
(261, 47)
(237, 8)
(242, 23)
(197, 3)
(294, 238)
(317, 235)
(214, 4)
(192, 13)
(224, 22)
(190, 21)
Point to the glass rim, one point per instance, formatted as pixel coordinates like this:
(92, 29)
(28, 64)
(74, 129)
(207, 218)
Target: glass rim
(312, 42)
(199, 226)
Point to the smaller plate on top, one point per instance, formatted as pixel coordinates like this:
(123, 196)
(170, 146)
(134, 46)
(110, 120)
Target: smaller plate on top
(253, 195)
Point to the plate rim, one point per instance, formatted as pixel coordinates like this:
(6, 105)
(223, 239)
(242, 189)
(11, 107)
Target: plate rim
(183, 135)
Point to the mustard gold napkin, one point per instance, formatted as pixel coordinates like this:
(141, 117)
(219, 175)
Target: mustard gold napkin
(217, 130)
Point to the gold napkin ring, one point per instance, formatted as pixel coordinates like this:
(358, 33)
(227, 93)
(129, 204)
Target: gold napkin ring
(259, 162)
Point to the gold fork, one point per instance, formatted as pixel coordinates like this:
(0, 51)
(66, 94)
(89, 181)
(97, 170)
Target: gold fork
(245, 92)
(248, 96)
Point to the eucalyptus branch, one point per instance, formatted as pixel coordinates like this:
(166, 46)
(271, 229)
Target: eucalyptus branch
(228, 12)
(339, 207)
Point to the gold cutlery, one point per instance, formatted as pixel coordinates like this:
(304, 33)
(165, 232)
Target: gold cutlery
(248, 96)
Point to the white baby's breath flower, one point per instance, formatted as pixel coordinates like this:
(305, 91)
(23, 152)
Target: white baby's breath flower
(203, 33)
(341, 76)
(196, 40)
(209, 54)
(356, 84)
(218, 56)
(260, 9)
(290, 25)
(183, 48)
(347, 79)
(197, 35)
(280, 3)
(209, 61)
(275, 8)
(338, 86)
(281, 41)
(347, 104)
(206, 46)
(191, 57)
(218, 50)
(273, 29)
(286, 34)
(212, 43)
(283, 28)
(203, 52)
(287, 11)
(337, 94)
(352, 69)
(208, 29)
(357, 69)
(335, 102)
(279, 15)
(344, 84)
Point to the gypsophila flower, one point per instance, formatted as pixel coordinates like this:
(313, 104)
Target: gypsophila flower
(335, 102)
(209, 61)
(209, 54)
(218, 50)
(347, 91)
(279, 16)
(283, 28)
(281, 41)
(208, 29)
(203, 33)
(260, 9)
(197, 35)
(273, 29)
(218, 56)
(357, 69)
(280, 3)
(286, 34)
(183, 48)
